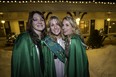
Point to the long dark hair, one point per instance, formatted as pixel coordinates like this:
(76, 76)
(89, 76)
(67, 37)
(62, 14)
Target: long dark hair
(34, 36)
(29, 27)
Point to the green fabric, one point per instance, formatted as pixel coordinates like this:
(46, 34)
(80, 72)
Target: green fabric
(50, 70)
(25, 61)
(78, 62)
(55, 48)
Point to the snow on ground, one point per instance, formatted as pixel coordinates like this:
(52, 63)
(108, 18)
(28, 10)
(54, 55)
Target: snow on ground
(102, 61)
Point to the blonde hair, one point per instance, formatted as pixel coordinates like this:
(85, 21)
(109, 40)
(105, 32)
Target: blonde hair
(73, 24)
(59, 23)
(76, 28)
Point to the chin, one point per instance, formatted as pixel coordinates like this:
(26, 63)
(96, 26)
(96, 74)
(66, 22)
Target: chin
(56, 34)
(65, 34)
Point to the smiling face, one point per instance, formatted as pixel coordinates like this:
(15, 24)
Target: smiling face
(67, 28)
(38, 23)
(55, 27)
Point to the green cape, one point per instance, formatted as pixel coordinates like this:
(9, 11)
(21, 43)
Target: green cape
(25, 61)
(50, 48)
(78, 62)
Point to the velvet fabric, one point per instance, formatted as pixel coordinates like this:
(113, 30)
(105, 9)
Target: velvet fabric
(25, 60)
(77, 63)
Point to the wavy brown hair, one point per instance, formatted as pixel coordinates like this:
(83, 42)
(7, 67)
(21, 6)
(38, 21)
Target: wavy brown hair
(29, 27)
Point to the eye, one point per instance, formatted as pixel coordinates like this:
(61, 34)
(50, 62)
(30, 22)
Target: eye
(62, 25)
(34, 19)
(58, 24)
(67, 25)
(52, 25)
(42, 19)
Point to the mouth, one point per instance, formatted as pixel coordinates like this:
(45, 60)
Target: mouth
(39, 25)
(56, 30)
(64, 31)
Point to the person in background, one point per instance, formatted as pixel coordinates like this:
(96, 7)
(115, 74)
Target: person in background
(75, 49)
(55, 44)
(27, 56)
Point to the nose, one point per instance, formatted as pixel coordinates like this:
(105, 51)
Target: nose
(55, 26)
(39, 21)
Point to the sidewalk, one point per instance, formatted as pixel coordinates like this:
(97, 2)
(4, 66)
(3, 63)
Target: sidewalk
(5, 63)
(5, 58)
(3, 44)
(2, 41)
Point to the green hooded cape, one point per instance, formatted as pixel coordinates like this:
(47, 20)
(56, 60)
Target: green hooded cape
(25, 61)
(49, 47)
(78, 63)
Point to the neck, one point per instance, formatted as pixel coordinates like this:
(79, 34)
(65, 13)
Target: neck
(38, 33)
(68, 37)
(58, 36)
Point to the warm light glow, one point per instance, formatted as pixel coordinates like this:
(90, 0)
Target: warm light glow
(1, 13)
(3, 21)
(77, 21)
(110, 27)
(85, 25)
(108, 19)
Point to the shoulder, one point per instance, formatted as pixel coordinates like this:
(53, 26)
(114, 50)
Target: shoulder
(23, 36)
(77, 38)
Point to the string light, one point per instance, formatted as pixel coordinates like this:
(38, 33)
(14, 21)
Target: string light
(15, 1)
(55, 1)
(7, 1)
(93, 0)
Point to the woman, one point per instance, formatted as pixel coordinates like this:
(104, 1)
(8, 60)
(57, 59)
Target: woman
(77, 62)
(55, 43)
(27, 57)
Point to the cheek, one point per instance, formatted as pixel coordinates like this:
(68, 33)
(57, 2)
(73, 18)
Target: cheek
(43, 23)
(59, 27)
(44, 26)
(32, 23)
(63, 27)
(70, 29)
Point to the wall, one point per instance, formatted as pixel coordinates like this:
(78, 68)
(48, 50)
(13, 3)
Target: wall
(99, 23)
(15, 26)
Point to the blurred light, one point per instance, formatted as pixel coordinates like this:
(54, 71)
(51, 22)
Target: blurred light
(110, 27)
(3, 21)
(77, 21)
(1, 13)
(113, 23)
(108, 19)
